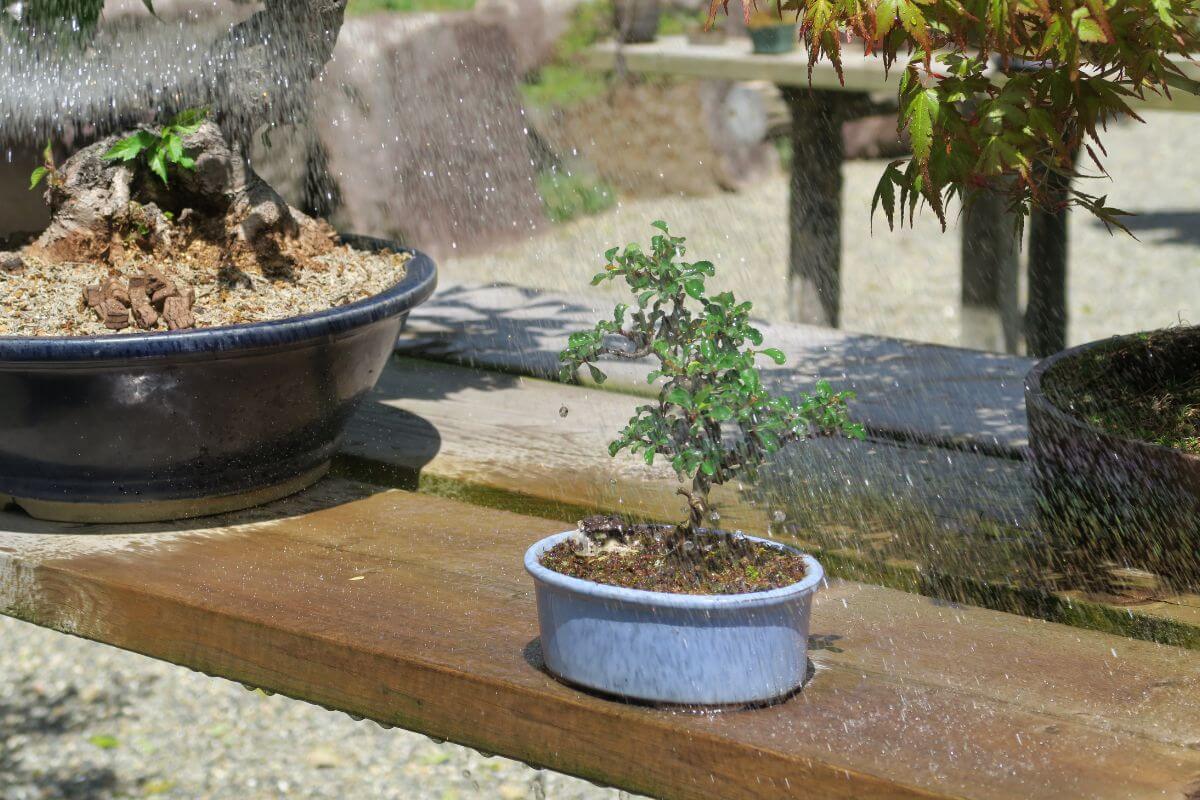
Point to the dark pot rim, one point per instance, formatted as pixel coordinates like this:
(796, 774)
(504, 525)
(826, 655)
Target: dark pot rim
(1035, 395)
(414, 288)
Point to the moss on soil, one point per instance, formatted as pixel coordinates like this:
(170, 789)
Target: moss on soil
(1122, 390)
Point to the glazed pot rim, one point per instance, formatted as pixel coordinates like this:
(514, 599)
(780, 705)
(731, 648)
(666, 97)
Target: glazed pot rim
(1035, 395)
(415, 287)
(696, 602)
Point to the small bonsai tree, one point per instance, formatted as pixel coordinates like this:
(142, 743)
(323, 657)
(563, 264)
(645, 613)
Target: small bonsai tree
(713, 419)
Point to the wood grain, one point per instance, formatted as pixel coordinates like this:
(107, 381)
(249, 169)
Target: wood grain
(414, 611)
(953, 524)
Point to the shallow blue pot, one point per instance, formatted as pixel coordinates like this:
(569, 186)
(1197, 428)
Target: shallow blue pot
(674, 648)
(151, 426)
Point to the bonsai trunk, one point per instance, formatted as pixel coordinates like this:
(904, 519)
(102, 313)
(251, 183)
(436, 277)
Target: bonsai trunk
(110, 211)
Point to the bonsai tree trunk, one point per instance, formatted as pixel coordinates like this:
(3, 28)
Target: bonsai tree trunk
(107, 210)
(261, 70)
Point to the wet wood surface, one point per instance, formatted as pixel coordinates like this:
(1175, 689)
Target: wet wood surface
(414, 611)
(946, 523)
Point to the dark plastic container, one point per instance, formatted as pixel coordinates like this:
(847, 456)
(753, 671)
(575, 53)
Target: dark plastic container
(153, 426)
(1109, 497)
(773, 40)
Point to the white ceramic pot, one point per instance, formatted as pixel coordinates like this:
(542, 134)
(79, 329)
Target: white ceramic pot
(674, 648)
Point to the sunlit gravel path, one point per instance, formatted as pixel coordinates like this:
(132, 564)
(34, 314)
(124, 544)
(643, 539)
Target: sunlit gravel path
(84, 721)
(906, 283)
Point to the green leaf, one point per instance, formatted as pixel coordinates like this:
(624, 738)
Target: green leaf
(48, 153)
(188, 121)
(36, 177)
(158, 164)
(885, 18)
(173, 146)
(914, 22)
(1090, 31)
(885, 193)
(720, 413)
(1183, 83)
(708, 466)
(920, 115)
(130, 147)
(149, 4)
(694, 288)
(104, 741)
(775, 354)
(680, 397)
(598, 376)
(662, 226)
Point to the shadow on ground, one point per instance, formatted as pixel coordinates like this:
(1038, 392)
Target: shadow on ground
(50, 716)
(1174, 227)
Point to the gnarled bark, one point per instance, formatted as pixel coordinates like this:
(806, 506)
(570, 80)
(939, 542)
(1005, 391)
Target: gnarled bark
(222, 210)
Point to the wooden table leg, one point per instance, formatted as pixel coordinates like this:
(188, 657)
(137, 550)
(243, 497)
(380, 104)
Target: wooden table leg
(990, 266)
(1046, 310)
(815, 210)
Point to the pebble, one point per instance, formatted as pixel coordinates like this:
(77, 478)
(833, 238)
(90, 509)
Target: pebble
(36, 305)
(11, 262)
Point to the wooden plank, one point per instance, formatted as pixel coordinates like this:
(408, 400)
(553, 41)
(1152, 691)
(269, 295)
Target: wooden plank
(909, 390)
(734, 60)
(957, 525)
(414, 611)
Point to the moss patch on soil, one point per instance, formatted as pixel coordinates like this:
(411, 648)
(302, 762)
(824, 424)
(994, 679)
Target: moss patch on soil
(46, 298)
(645, 557)
(1142, 388)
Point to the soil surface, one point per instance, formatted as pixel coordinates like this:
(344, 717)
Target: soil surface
(1144, 389)
(646, 557)
(44, 298)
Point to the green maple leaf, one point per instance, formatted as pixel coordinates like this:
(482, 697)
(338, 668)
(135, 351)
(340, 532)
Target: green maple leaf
(920, 116)
(130, 147)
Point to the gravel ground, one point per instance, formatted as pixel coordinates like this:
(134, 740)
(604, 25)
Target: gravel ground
(46, 299)
(89, 722)
(906, 283)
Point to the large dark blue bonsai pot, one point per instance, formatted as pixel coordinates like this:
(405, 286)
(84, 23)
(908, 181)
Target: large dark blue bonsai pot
(141, 427)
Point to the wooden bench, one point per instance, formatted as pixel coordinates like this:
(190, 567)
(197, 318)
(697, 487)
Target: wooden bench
(412, 609)
(820, 101)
